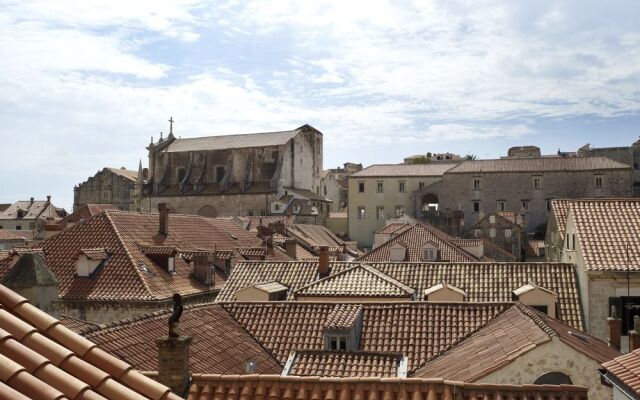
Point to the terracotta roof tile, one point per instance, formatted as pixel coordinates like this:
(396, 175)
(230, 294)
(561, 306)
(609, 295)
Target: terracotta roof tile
(481, 282)
(209, 387)
(537, 165)
(386, 327)
(219, 345)
(414, 239)
(344, 364)
(560, 210)
(394, 227)
(360, 280)
(400, 170)
(343, 316)
(626, 369)
(36, 362)
(75, 324)
(609, 233)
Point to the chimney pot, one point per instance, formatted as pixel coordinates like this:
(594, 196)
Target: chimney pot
(614, 325)
(163, 228)
(323, 262)
(32, 200)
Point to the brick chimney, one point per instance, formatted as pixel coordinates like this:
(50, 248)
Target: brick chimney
(323, 263)
(173, 362)
(163, 228)
(634, 335)
(614, 325)
(290, 246)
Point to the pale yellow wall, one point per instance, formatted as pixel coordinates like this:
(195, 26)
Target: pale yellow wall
(338, 225)
(445, 294)
(362, 230)
(554, 356)
(538, 297)
(252, 294)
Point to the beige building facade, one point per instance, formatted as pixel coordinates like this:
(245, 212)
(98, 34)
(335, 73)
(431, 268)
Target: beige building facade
(116, 186)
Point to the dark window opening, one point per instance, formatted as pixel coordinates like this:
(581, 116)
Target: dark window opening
(541, 308)
(554, 378)
(626, 309)
(361, 187)
(219, 173)
(476, 206)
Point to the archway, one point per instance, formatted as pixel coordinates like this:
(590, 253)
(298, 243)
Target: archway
(429, 202)
(553, 378)
(208, 211)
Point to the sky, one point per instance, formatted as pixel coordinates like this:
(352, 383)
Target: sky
(86, 84)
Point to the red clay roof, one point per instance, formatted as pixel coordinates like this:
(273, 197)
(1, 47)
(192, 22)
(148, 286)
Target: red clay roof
(626, 369)
(560, 210)
(41, 359)
(255, 387)
(220, 345)
(414, 239)
(343, 364)
(130, 273)
(537, 165)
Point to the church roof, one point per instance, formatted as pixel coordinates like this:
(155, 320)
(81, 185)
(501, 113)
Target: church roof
(233, 141)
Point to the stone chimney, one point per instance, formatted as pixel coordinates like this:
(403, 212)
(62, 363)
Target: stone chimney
(173, 354)
(290, 246)
(48, 198)
(634, 335)
(163, 228)
(31, 200)
(614, 325)
(323, 263)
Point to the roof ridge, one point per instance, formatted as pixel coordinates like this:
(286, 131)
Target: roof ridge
(536, 318)
(120, 241)
(241, 134)
(388, 278)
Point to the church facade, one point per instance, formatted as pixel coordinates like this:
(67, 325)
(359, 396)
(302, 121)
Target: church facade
(232, 175)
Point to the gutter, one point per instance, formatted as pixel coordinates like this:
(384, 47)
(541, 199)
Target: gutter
(615, 382)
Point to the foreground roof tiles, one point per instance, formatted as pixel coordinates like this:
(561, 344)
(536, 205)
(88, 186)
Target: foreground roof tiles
(414, 239)
(482, 282)
(41, 359)
(609, 233)
(210, 387)
(626, 370)
(344, 364)
(220, 345)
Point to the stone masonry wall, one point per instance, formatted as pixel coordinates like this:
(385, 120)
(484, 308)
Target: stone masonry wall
(553, 356)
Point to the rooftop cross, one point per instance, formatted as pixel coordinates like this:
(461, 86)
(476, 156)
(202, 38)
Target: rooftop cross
(170, 125)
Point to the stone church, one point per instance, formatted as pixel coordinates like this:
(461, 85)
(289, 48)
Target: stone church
(233, 175)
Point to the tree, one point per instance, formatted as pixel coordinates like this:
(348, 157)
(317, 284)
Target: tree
(470, 157)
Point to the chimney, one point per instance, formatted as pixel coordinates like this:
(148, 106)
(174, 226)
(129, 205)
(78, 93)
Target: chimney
(48, 198)
(163, 209)
(202, 269)
(323, 263)
(290, 246)
(31, 200)
(614, 325)
(173, 354)
(634, 335)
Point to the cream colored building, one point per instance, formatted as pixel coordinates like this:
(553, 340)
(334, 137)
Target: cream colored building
(382, 192)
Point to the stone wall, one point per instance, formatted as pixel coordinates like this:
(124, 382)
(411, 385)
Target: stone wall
(554, 356)
(225, 205)
(456, 191)
(106, 187)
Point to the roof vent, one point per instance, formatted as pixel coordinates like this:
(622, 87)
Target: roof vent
(90, 260)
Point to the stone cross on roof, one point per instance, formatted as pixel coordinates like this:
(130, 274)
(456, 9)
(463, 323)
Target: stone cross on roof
(170, 125)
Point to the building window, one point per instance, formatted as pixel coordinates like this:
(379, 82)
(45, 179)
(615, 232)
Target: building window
(399, 211)
(507, 233)
(548, 203)
(276, 206)
(501, 205)
(598, 181)
(337, 343)
(380, 212)
(492, 233)
(420, 185)
(325, 190)
(219, 173)
(361, 212)
(476, 184)
(525, 205)
(181, 174)
(537, 182)
(626, 309)
(360, 187)
(18, 227)
(401, 186)
(476, 206)
(250, 213)
(429, 254)
(32, 225)
(380, 187)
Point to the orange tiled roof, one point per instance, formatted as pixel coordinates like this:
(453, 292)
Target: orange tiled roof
(609, 233)
(343, 364)
(481, 282)
(130, 237)
(343, 316)
(414, 239)
(75, 324)
(537, 165)
(220, 344)
(42, 359)
(394, 227)
(254, 387)
(387, 327)
(626, 370)
(560, 210)
(360, 280)
(505, 338)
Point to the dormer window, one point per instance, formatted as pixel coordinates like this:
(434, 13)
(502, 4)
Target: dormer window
(536, 297)
(338, 342)
(342, 328)
(89, 261)
(163, 256)
(21, 213)
(444, 292)
(171, 265)
(429, 252)
(397, 252)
